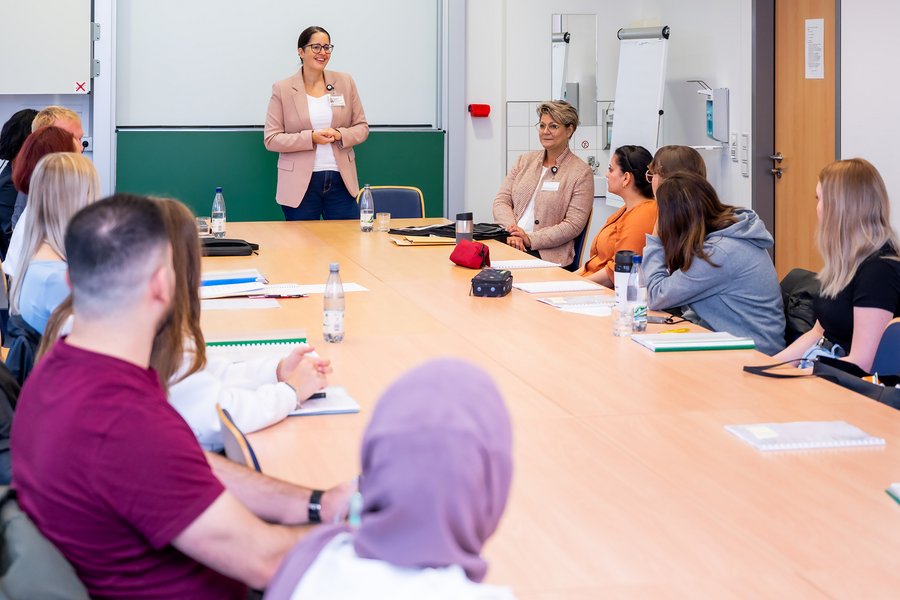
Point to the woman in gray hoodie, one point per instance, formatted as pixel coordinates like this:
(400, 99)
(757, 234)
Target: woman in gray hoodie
(710, 259)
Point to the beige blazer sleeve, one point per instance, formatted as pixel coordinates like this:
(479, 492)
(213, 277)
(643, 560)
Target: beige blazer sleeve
(503, 208)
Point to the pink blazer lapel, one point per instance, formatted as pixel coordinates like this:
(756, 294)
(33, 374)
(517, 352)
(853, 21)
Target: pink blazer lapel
(299, 99)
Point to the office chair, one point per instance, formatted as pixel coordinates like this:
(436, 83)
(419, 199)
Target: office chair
(237, 448)
(403, 202)
(887, 356)
(580, 243)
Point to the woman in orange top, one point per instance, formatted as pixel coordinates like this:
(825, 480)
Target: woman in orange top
(628, 227)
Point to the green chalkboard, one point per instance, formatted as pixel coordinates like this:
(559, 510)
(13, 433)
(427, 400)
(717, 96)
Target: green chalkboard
(189, 164)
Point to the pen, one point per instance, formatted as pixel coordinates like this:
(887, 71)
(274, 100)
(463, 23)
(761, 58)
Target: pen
(316, 396)
(278, 296)
(679, 330)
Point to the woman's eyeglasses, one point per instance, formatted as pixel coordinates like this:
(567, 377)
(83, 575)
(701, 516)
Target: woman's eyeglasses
(553, 127)
(649, 176)
(317, 48)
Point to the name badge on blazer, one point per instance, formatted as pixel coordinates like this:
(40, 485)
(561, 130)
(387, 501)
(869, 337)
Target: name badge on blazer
(550, 186)
(336, 100)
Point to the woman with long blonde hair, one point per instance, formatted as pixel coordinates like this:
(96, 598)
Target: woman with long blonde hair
(860, 282)
(61, 185)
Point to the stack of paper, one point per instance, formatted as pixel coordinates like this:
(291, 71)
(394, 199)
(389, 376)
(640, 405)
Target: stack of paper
(532, 263)
(415, 240)
(677, 342)
(553, 287)
(803, 435)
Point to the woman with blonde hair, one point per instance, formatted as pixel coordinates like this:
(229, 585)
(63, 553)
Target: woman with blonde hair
(546, 198)
(61, 185)
(257, 393)
(860, 282)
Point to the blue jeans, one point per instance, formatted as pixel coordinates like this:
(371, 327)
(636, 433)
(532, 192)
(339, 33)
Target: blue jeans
(326, 198)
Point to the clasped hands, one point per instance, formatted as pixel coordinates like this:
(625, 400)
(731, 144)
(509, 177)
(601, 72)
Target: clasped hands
(304, 372)
(328, 135)
(518, 239)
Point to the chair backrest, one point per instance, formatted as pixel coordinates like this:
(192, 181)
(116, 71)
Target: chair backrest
(403, 202)
(237, 448)
(887, 356)
(798, 291)
(31, 566)
(580, 243)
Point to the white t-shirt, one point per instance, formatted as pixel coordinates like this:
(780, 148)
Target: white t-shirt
(15, 245)
(320, 115)
(339, 574)
(526, 223)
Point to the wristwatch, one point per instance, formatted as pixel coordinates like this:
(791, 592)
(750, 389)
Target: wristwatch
(314, 509)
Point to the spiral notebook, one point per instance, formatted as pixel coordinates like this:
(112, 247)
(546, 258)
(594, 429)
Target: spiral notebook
(803, 435)
(247, 349)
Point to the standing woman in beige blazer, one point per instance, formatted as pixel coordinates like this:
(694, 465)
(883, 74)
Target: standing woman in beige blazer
(315, 118)
(546, 198)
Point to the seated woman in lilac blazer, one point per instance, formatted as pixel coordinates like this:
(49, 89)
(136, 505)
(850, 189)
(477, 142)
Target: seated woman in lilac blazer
(315, 118)
(546, 199)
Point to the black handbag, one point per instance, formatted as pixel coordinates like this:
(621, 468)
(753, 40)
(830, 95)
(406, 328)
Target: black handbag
(481, 231)
(843, 373)
(227, 247)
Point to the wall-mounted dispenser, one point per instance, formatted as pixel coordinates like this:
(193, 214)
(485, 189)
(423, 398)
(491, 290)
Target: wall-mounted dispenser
(716, 111)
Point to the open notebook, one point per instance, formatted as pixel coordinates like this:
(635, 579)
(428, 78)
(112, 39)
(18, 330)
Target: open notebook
(803, 435)
(336, 401)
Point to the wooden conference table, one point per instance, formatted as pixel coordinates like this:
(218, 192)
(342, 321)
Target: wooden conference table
(626, 483)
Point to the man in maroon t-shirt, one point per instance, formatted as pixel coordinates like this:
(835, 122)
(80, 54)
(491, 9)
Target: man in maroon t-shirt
(106, 468)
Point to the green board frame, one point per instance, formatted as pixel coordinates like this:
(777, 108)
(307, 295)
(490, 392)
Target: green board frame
(189, 164)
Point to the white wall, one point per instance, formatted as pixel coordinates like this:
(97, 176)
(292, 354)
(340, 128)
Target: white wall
(870, 123)
(508, 58)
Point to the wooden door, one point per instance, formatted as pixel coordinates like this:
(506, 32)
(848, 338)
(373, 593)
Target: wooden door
(804, 129)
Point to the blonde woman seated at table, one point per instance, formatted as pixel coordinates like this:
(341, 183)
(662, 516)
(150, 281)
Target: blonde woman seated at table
(62, 183)
(546, 198)
(436, 471)
(257, 393)
(711, 259)
(860, 282)
(628, 227)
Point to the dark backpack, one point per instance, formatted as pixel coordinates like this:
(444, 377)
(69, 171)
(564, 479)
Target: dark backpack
(9, 394)
(799, 289)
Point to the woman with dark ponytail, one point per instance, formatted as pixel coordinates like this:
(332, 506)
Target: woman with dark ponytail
(627, 228)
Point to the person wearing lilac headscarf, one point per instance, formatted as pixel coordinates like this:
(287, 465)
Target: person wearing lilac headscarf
(436, 472)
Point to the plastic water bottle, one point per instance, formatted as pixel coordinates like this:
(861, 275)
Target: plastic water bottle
(366, 210)
(218, 214)
(637, 295)
(333, 323)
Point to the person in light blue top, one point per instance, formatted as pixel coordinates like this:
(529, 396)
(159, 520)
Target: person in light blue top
(62, 184)
(44, 287)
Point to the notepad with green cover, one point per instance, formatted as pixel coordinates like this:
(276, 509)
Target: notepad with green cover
(803, 435)
(894, 492)
(241, 350)
(682, 342)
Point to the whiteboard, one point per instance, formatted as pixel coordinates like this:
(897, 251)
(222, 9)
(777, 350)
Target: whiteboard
(45, 49)
(639, 95)
(213, 62)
